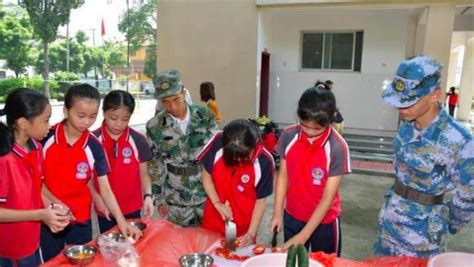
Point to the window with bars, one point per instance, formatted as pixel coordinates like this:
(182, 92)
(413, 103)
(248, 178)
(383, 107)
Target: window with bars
(332, 50)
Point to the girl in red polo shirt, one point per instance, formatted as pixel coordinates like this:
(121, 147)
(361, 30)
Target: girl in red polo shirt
(128, 152)
(314, 157)
(237, 177)
(21, 208)
(72, 156)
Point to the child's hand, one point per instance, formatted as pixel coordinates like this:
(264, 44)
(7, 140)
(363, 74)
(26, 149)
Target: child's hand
(129, 231)
(102, 208)
(55, 219)
(224, 210)
(148, 207)
(295, 240)
(245, 240)
(276, 222)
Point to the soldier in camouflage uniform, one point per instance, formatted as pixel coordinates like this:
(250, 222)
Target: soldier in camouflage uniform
(433, 155)
(178, 133)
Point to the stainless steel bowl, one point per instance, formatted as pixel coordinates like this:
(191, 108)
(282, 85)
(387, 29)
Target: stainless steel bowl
(116, 236)
(139, 225)
(196, 260)
(80, 254)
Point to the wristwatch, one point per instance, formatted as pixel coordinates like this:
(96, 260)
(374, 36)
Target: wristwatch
(147, 195)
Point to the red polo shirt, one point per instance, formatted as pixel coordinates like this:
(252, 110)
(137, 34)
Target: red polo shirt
(125, 155)
(241, 185)
(20, 178)
(309, 166)
(68, 169)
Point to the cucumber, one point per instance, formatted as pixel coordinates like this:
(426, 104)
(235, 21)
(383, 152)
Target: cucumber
(291, 257)
(303, 260)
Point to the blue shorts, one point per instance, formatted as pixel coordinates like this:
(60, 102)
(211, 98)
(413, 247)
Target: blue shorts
(105, 225)
(28, 261)
(326, 238)
(74, 234)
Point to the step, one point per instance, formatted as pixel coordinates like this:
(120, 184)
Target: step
(373, 172)
(380, 150)
(372, 168)
(367, 141)
(370, 145)
(371, 157)
(368, 137)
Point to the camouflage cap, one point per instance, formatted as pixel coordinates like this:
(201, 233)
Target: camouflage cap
(415, 78)
(167, 83)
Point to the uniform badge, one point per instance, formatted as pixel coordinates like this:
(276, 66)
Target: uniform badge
(399, 85)
(126, 153)
(82, 169)
(164, 85)
(240, 188)
(245, 178)
(317, 174)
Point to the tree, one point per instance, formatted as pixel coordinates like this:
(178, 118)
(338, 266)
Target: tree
(150, 61)
(16, 40)
(46, 16)
(139, 27)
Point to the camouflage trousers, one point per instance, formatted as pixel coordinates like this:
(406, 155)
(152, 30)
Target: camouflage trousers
(186, 216)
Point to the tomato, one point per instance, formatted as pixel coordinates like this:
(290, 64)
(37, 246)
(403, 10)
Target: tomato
(258, 249)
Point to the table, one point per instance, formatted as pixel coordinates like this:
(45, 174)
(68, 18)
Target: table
(163, 243)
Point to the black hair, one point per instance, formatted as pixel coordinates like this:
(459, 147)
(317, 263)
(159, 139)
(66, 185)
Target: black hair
(20, 103)
(118, 98)
(328, 82)
(452, 89)
(78, 91)
(207, 91)
(239, 138)
(317, 105)
(321, 84)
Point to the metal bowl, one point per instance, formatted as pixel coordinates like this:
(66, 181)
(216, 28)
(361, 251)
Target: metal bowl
(139, 225)
(115, 236)
(80, 254)
(196, 260)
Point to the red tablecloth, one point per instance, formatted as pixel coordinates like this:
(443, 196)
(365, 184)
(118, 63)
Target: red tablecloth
(163, 243)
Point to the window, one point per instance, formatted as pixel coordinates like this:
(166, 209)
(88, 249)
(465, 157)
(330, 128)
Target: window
(332, 50)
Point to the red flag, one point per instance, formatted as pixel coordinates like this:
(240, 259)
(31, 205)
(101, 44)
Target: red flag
(102, 28)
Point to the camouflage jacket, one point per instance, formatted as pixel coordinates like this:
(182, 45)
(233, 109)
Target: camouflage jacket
(171, 146)
(436, 160)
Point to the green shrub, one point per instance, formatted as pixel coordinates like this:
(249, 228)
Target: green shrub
(35, 83)
(65, 80)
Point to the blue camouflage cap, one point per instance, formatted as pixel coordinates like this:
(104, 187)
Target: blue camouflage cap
(167, 83)
(416, 77)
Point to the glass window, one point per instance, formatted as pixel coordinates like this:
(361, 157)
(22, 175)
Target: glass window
(332, 50)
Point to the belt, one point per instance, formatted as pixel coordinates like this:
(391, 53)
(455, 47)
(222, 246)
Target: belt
(417, 196)
(184, 170)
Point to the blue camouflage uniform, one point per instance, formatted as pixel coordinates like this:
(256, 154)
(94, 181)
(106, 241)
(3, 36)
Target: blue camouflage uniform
(436, 160)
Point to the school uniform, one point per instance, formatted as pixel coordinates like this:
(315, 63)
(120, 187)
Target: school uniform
(309, 166)
(20, 178)
(241, 185)
(125, 155)
(67, 171)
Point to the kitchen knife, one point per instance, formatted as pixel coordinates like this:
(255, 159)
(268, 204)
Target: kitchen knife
(230, 234)
(274, 238)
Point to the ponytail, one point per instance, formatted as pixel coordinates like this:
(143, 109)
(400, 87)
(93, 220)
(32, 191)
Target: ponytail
(6, 139)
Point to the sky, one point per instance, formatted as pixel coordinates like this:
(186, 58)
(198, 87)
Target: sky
(89, 16)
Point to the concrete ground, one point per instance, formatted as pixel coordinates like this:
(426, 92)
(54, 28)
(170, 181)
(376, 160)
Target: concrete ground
(362, 198)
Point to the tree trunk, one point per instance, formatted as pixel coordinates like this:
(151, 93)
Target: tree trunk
(46, 71)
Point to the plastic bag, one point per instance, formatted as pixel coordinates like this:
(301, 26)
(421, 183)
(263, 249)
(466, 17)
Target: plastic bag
(119, 253)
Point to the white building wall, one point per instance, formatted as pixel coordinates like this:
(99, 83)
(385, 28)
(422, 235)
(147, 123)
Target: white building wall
(358, 94)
